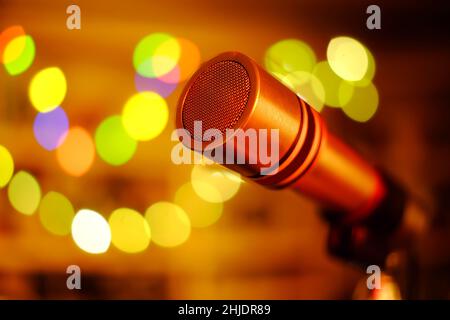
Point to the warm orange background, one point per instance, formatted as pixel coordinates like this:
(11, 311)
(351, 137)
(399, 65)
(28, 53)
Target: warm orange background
(267, 244)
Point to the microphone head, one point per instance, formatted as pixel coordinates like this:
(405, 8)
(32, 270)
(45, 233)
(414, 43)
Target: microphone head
(231, 91)
(218, 97)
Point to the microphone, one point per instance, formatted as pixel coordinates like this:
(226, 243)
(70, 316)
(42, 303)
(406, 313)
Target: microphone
(232, 92)
(369, 214)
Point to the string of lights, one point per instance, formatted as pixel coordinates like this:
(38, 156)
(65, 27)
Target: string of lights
(161, 62)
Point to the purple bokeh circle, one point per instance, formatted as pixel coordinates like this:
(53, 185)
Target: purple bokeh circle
(50, 128)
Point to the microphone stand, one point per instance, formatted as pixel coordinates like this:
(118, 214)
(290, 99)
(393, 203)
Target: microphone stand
(388, 237)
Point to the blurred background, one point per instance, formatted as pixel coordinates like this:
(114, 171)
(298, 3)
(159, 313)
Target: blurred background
(178, 240)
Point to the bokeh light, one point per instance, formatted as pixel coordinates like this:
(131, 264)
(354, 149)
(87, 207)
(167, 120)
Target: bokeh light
(14, 49)
(19, 54)
(163, 88)
(371, 68)
(363, 103)
(337, 91)
(77, 153)
(213, 183)
(162, 61)
(91, 232)
(145, 116)
(348, 58)
(24, 193)
(201, 213)
(50, 129)
(156, 55)
(188, 63)
(306, 86)
(47, 89)
(389, 289)
(113, 144)
(7, 35)
(349, 70)
(56, 213)
(129, 230)
(171, 77)
(289, 55)
(169, 224)
(6, 166)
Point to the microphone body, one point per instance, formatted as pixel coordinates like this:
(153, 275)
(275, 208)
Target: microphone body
(231, 91)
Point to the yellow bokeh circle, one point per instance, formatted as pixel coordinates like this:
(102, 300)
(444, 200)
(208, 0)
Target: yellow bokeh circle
(288, 56)
(201, 213)
(129, 230)
(213, 183)
(363, 104)
(56, 213)
(24, 193)
(333, 85)
(47, 89)
(371, 68)
(169, 224)
(306, 86)
(348, 58)
(145, 115)
(6, 166)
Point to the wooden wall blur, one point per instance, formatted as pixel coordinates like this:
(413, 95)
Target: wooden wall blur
(267, 244)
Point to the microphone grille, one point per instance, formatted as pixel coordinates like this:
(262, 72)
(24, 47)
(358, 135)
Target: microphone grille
(217, 97)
